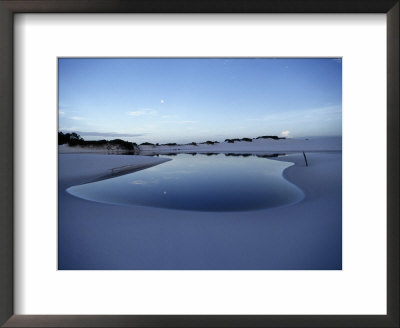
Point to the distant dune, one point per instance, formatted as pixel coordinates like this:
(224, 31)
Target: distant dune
(259, 144)
(255, 145)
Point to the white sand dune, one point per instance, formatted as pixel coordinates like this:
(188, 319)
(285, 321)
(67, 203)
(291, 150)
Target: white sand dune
(306, 235)
(82, 168)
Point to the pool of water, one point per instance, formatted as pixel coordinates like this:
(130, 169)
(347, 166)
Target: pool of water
(216, 182)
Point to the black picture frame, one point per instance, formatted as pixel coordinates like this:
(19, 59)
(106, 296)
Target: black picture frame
(10, 7)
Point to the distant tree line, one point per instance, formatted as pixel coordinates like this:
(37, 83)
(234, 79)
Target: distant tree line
(250, 140)
(208, 142)
(68, 138)
(74, 139)
(271, 137)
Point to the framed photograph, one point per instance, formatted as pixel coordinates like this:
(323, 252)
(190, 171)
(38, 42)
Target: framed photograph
(199, 164)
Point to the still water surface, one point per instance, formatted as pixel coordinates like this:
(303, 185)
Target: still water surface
(217, 183)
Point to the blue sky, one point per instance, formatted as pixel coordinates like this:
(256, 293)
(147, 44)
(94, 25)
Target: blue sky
(184, 100)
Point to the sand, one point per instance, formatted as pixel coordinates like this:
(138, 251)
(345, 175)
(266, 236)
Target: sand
(307, 235)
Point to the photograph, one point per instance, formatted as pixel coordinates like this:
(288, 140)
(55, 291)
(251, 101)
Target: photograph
(198, 163)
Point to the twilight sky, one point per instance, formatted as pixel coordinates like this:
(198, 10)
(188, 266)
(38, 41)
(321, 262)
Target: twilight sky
(184, 100)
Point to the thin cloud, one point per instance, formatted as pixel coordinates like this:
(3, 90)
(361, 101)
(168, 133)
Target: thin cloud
(109, 134)
(304, 114)
(70, 129)
(63, 105)
(185, 122)
(77, 118)
(179, 122)
(142, 112)
(169, 116)
(285, 133)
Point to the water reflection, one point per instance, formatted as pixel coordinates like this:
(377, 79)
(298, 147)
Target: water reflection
(212, 182)
(237, 154)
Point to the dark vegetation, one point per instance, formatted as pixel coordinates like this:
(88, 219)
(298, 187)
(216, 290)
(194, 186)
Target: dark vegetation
(68, 138)
(271, 137)
(208, 142)
(73, 139)
(250, 140)
(231, 140)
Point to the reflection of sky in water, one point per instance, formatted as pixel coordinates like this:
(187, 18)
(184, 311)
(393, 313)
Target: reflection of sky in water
(200, 183)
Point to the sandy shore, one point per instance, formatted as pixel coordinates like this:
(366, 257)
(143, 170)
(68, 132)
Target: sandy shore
(82, 168)
(306, 235)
